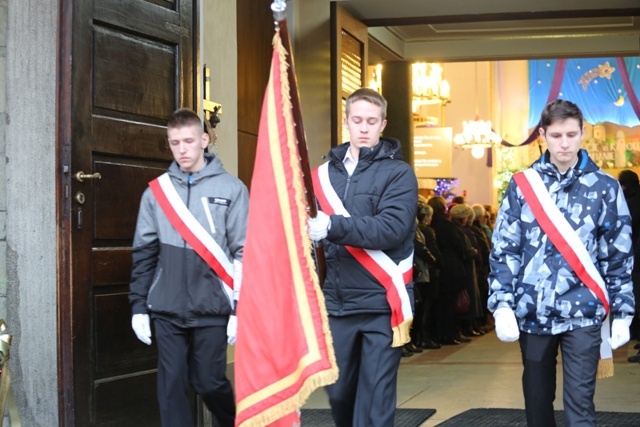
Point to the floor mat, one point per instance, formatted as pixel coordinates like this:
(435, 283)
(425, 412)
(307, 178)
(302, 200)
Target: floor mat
(405, 417)
(490, 417)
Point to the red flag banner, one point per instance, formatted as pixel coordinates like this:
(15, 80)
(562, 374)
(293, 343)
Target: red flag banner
(284, 349)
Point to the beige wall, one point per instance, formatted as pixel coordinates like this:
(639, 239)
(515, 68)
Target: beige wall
(308, 23)
(219, 53)
(312, 60)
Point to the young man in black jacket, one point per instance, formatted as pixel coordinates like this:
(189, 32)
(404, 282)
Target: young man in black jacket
(368, 198)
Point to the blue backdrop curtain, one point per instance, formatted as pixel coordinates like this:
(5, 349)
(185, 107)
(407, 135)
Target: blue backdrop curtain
(605, 89)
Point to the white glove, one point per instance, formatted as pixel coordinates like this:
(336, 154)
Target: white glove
(619, 333)
(140, 325)
(232, 329)
(319, 226)
(506, 325)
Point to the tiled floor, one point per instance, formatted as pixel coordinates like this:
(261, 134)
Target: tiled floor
(485, 373)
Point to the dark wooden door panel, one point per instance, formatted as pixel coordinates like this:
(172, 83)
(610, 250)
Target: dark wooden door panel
(132, 73)
(121, 403)
(119, 189)
(133, 64)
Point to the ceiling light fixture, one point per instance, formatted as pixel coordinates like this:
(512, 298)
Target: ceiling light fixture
(477, 135)
(428, 85)
(375, 82)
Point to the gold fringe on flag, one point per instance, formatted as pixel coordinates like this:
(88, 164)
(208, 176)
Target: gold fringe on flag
(401, 334)
(605, 368)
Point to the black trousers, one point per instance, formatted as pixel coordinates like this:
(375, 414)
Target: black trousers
(365, 394)
(196, 357)
(580, 353)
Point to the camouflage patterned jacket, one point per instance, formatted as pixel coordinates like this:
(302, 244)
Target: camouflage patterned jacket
(529, 275)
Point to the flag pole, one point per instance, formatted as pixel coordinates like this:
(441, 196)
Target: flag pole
(278, 7)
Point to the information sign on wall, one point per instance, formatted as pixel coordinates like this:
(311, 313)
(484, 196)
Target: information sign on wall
(432, 152)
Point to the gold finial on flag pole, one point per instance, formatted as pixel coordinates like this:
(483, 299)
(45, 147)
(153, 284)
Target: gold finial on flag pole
(278, 7)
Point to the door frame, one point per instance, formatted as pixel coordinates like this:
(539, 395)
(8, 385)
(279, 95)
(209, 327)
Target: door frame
(66, 395)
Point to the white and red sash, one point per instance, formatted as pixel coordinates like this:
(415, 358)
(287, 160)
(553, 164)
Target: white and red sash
(393, 277)
(567, 242)
(192, 231)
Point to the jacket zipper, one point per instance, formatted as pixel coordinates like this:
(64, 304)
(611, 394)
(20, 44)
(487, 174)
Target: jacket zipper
(338, 293)
(346, 188)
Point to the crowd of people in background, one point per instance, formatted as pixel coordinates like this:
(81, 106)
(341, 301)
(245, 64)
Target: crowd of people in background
(451, 266)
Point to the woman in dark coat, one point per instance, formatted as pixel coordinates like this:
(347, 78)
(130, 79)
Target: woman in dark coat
(455, 249)
(462, 215)
(484, 247)
(427, 263)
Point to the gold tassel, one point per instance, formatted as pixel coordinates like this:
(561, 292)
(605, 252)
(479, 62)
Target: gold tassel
(401, 334)
(605, 368)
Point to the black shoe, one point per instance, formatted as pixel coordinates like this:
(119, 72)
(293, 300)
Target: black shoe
(463, 339)
(412, 348)
(634, 359)
(450, 341)
(430, 345)
(406, 353)
(637, 346)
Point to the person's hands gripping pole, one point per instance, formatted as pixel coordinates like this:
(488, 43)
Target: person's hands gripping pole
(319, 226)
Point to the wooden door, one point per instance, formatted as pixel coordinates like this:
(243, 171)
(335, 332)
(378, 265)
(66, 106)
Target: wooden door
(349, 65)
(125, 66)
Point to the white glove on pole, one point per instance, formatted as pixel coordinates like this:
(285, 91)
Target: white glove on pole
(232, 329)
(142, 328)
(619, 333)
(506, 325)
(319, 226)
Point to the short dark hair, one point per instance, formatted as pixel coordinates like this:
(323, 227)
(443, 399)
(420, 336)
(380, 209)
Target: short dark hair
(369, 95)
(184, 117)
(560, 109)
(629, 179)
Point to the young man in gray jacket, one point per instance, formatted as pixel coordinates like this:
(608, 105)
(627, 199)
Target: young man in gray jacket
(187, 255)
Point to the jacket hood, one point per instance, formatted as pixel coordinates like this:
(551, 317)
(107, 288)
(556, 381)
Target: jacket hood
(387, 148)
(212, 167)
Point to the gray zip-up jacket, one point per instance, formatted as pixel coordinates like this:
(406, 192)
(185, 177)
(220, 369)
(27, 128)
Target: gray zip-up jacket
(169, 279)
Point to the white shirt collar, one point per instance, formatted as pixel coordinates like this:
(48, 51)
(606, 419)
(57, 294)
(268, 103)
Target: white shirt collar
(349, 162)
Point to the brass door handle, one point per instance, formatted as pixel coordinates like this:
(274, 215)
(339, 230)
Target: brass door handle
(81, 176)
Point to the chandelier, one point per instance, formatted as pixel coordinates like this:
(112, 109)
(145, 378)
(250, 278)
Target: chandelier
(477, 135)
(428, 85)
